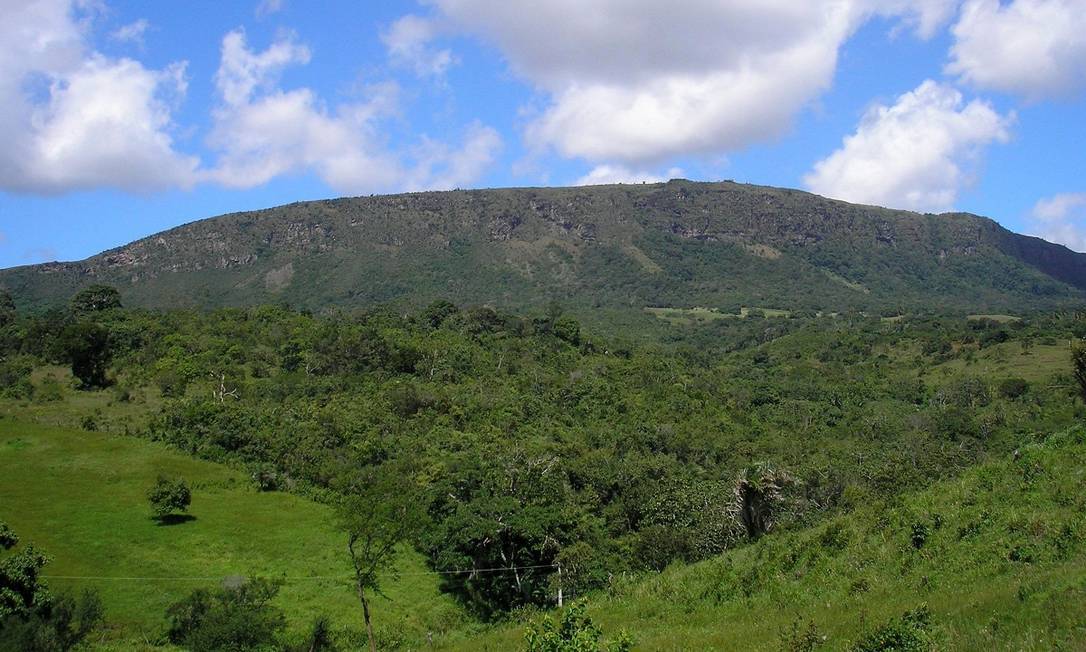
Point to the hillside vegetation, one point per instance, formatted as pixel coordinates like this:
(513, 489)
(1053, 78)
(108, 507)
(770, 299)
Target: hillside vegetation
(80, 497)
(993, 560)
(604, 252)
(540, 456)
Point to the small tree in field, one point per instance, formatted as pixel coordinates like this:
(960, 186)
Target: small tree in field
(383, 508)
(169, 496)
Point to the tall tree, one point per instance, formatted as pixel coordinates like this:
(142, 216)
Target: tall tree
(382, 509)
(7, 308)
(95, 298)
(86, 345)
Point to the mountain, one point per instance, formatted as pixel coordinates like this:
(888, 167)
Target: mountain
(607, 249)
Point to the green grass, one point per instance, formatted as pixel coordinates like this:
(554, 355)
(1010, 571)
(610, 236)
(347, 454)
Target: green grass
(1002, 567)
(80, 497)
(687, 316)
(1038, 363)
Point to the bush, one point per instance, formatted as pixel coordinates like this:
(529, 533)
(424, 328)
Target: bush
(1013, 388)
(575, 633)
(909, 633)
(230, 618)
(60, 625)
(168, 496)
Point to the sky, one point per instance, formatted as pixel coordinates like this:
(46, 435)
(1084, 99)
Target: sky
(120, 119)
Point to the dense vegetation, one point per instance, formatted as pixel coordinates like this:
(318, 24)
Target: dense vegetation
(530, 445)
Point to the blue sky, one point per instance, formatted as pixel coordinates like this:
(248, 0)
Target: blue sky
(121, 119)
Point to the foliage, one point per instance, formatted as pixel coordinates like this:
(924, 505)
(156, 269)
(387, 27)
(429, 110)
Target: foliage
(233, 617)
(95, 298)
(909, 633)
(381, 509)
(21, 592)
(575, 633)
(86, 345)
(7, 308)
(31, 617)
(168, 496)
(1078, 364)
(61, 625)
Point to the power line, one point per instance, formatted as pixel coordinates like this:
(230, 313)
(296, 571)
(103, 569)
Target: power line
(300, 578)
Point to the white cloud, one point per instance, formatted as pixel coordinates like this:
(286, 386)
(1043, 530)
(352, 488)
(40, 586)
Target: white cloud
(408, 43)
(1033, 48)
(440, 167)
(638, 81)
(262, 131)
(268, 7)
(608, 174)
(915, 154)
(1061, 218)
(72, 118)
(131, 33)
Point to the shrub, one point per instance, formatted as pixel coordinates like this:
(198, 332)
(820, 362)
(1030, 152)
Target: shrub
(575, 633)
(1013, 388)
(237, 617)
(909, 633)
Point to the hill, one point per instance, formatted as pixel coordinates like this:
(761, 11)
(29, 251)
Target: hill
(603, 250)
(80, 497)
(993, 560)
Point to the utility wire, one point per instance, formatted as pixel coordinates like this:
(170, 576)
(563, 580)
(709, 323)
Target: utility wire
(300, 578)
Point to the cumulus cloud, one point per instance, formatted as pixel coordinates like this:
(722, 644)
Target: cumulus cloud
(441, 167)
(1033, 48)
(635, 81)
(262, 131)
(72, 118)
(131, 33)
(608, 174)
(1061, 218)
(916, 154)
(408, 43)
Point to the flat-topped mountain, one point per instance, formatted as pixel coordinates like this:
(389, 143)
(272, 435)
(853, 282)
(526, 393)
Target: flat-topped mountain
(616, 247)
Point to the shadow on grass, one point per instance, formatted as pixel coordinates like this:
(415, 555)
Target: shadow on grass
(173, 519)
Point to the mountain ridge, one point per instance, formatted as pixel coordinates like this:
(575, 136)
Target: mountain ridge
(625, 246)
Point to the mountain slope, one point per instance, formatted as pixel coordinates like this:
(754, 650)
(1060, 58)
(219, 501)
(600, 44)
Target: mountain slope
(619, 247)
(996, 557)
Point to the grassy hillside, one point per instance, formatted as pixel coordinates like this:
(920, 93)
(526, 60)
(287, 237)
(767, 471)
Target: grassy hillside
(606, 252)
(997, 556)
(80, 497)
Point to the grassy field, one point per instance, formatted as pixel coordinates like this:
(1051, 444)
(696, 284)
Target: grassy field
(687, 316)
(1038, 363)
(79, 496)
(998, 556)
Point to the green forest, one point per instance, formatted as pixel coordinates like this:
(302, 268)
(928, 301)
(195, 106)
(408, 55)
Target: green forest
(441, 478)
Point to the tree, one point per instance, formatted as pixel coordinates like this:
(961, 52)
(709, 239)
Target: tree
(233, 617)
(95, 298)
(381, 510)
(20, 590)
(31, 618)
(1078, 362)
(86, 346)
(7, 308)
(168, 496)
